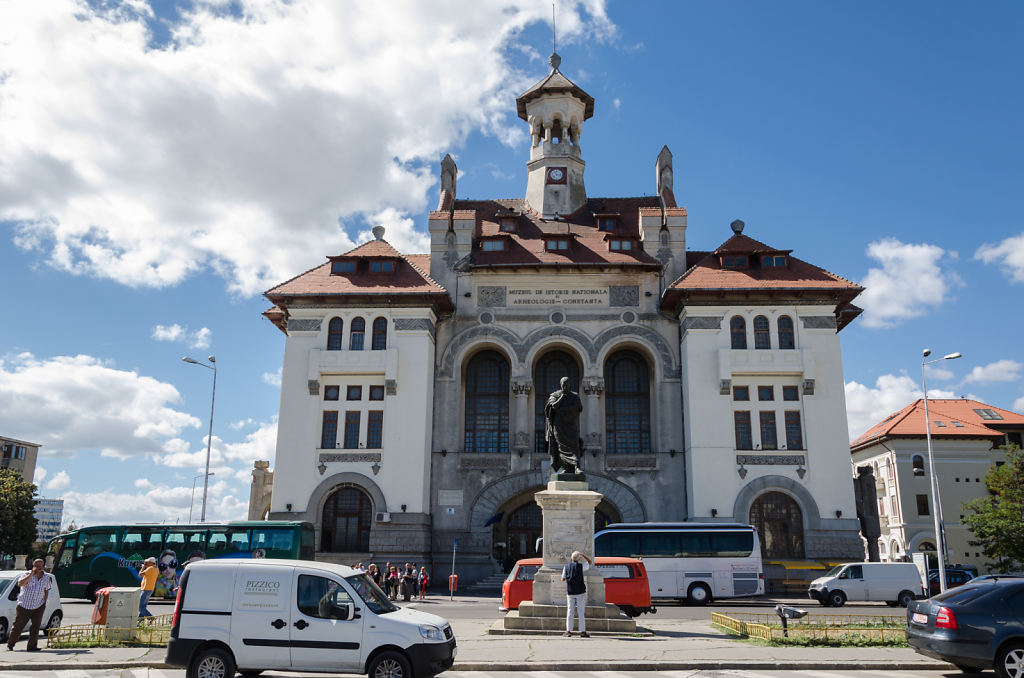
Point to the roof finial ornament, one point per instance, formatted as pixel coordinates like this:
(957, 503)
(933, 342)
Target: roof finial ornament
(378, 232)
(737, 227)
(554, 59)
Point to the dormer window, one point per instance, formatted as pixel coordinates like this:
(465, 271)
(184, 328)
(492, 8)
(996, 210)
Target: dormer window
(773, 261)
(606, 223)
(385, 266)
(497, 245)
(556, 244)
(343, 267)
(620, 245)
(734, 261)
(507, 225)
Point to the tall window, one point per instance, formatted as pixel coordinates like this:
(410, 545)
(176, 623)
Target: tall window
(786, 332)
(329, 430)
(779, 521)
(380, 335)
(346, 522)
(794, 431)
(375, 429)
(738, 330)
(352, 430)
(744, 439)
(627, 404)
(334, 334)
(487, 395)
(355, 341)
(769, 440)
(922, 505)
(550, 369)
(762, 339)
(918, 462)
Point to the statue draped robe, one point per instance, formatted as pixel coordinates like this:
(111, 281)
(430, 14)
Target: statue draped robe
(562, 430)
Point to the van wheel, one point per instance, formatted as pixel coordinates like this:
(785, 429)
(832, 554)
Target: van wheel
(698, 594)
(905, 599)
(390, 664)
(3, 630)
(212, 662)
(1010, 661)
(55, 620)
(836, 598)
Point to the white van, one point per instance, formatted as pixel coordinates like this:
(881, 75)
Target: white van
(52, 615)
(296, 615)
(893, 583)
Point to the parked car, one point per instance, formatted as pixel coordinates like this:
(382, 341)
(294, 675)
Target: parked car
(954, 577)
(979, 625)
(244, 615)
(893, 583)
(9, 588)
(625, 584)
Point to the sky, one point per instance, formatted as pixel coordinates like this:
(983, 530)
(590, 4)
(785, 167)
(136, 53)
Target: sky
(163, 163)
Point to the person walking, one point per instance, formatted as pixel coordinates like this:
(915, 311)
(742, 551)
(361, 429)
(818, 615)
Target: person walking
(576, 592)
(35, 589)
(393, 583)
(148, 575)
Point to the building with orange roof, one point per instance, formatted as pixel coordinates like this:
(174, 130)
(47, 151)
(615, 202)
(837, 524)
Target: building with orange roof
(413, 385)
(967, 437)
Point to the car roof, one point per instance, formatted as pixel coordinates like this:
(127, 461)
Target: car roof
(598, 560)
(225, 563)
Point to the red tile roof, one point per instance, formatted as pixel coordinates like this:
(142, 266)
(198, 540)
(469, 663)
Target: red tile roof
(910, 423)
(526, 246)
(555, 83)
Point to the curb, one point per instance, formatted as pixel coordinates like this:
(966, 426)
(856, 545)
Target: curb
(810, 665)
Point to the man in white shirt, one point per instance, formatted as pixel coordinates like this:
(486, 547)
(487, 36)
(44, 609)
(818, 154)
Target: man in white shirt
(34, 590)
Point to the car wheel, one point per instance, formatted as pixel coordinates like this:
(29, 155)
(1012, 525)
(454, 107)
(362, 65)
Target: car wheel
(3, 630)
(390, 664)
(1010, 662)
(212, 662)
(55, 620)
(698, 594)
(836, 598)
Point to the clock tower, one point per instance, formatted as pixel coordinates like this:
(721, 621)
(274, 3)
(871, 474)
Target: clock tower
(555, 109)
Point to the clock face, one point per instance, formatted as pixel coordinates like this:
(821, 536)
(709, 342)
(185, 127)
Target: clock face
(556, 175)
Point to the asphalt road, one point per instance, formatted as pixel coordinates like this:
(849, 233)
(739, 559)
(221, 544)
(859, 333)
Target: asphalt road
(166, 673)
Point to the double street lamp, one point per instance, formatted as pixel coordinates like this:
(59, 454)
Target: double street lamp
(940, 541)
(209, 436)
(193, 500)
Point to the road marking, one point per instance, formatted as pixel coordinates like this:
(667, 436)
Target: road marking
(611, 674)
(678, 674)
(544, 674)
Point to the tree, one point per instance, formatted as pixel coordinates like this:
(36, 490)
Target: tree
(17, 513)
(997, 520)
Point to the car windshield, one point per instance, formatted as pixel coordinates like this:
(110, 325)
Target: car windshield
(371, 594)
(834, 572)
(964, 594)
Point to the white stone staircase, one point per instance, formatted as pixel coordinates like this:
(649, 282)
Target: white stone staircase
(485, 587)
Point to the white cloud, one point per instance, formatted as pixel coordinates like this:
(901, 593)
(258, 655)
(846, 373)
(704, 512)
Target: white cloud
(61, 481)
(939, 373)
(143, 483)
(1000, 370)
(160, 503)
(198, 339)
(39, 475)
(1009, 254)
(908, 284)
(117, 412)
(272, 378)
(867, 406)
(259, 444)
(1018, 404)
(253, 133)
(617, 102)
(248, 421)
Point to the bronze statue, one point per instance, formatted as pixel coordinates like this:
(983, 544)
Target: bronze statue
(562, 429)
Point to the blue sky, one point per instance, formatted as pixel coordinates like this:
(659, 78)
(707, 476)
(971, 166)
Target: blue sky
(161, 164)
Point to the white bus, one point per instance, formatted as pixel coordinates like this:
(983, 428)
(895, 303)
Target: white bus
(690, 561)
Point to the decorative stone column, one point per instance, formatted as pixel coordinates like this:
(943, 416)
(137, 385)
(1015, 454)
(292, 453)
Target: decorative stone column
(568, 510)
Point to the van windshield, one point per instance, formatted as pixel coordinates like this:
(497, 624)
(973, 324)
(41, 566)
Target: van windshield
(834, 572)
(371, 594)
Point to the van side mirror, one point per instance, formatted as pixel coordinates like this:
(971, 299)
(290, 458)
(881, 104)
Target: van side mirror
(348, 611)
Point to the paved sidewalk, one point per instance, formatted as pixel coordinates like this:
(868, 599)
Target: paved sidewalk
(675, 645)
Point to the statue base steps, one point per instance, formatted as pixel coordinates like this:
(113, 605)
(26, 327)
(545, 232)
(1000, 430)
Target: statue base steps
(551, 619)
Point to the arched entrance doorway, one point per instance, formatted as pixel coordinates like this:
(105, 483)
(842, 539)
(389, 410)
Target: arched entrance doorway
(780, 523)
(345, 523)
(551, 367)
(525, 525)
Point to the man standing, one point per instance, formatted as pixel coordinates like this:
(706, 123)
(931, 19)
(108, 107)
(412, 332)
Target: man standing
(35, 589)
(148, 574)
(576, 592)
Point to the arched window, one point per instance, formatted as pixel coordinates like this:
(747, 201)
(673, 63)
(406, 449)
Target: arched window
(918, 462)
(334, 334)
(380, 335)
(738, 330)
(550, 369)
(786, 339)
(345, 527)
(627, 404)
(487, 395)
(355, 341)
(779, 522)
(762, 339)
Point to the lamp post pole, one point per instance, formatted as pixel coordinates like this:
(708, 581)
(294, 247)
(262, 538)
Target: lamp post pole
(193, 500)
(940, 546)
(209, 435)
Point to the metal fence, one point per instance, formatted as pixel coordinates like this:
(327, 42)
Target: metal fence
(150, 632)
(826, 627)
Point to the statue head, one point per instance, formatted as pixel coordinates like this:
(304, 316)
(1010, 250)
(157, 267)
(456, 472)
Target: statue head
(564, 383)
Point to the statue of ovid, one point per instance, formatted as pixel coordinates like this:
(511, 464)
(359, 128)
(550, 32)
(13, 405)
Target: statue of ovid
(562, 429)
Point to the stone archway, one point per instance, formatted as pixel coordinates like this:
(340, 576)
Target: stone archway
(320, 495)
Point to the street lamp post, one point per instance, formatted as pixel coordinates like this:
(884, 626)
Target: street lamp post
(193, 500)
(209, 436)
(940, 545)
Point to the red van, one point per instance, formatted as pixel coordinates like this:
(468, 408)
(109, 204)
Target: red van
(625, 584)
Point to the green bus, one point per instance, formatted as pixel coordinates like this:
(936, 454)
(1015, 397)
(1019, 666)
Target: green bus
(91, 558)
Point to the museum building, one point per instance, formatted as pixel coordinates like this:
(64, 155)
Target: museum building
(413, 385)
